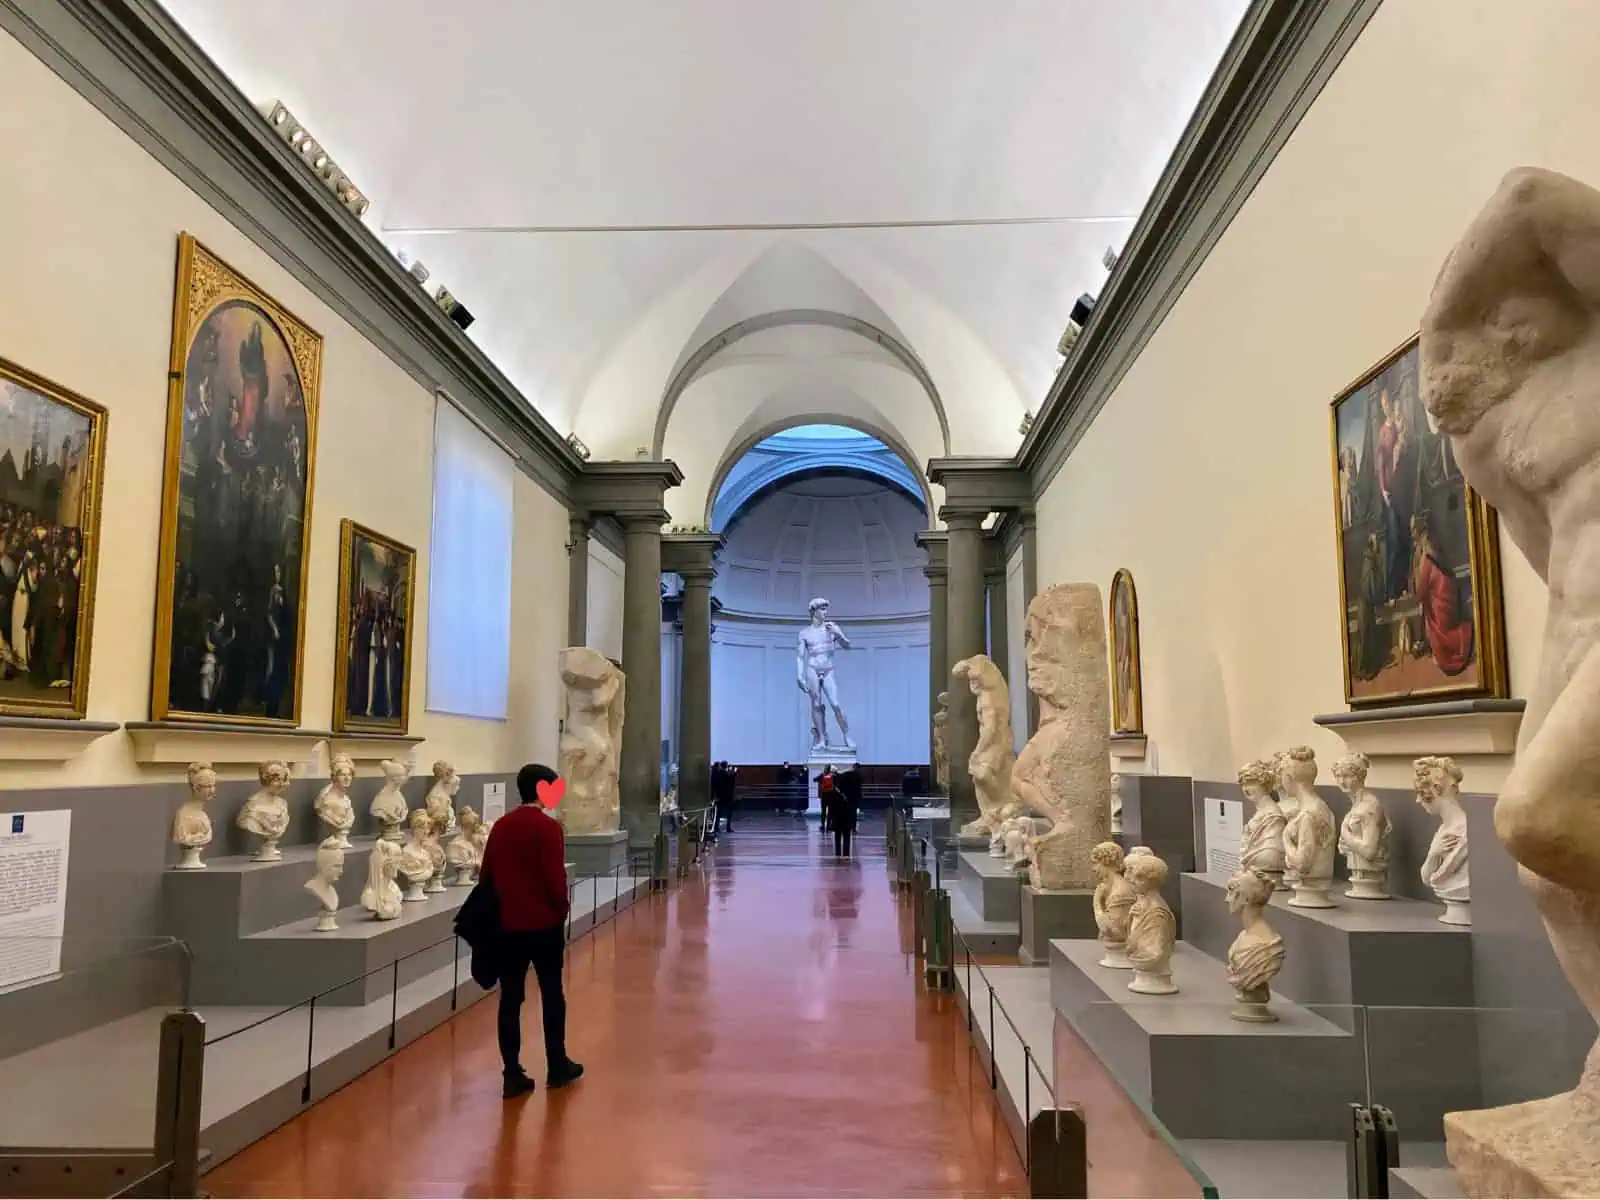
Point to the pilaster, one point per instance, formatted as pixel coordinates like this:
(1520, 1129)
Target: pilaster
(693, 557)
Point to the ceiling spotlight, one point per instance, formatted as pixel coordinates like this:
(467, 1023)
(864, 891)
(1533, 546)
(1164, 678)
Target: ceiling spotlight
(1027, 423)
(641, 451)
(578, 447)
(413, 266)
(1108, 260)
(453, 308)
(1082, 310)
(1069, 339)
(299, 140)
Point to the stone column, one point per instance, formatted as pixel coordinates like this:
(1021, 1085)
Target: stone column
(641, 661)
(694, 712)
(994, 586)
(933, 542)
(966, 638)
(578, 581)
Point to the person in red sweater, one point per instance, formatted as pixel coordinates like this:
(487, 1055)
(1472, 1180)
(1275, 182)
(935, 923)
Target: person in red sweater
(525, 866)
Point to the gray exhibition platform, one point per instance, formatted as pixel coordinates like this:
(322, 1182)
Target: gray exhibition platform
(986, 903)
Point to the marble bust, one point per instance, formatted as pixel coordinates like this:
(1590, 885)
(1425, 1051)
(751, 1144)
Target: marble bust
(590, 754)
(381, 897)
(992, 758)
(333, 805)
(1113, 900)
(941, 743)
(997, 835)
(1444, 871)
(1283, 776)
(1256, 956)
(389, 806)
(1064, 772)
(324, 885)
(1364, 832)
(1309, 835)
(814, 674)
(440, 801)
(416, 856)
(1152, 929)
(465, 850)
(266, 812)
(191, 824)
(1261, 843)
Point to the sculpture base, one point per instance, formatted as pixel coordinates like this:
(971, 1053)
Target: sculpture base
(1541, 1148)
(464, 877)
(435, 885)
(1253, 1013)
(269, 852)
(1360, 889)
(1046, 916)
(1456, 912)
(414, 894)
(1148, 983)
(1116, 957)
(344, 839)
(1307, 895)
(190, 860)
(597, 853)
(326, 923)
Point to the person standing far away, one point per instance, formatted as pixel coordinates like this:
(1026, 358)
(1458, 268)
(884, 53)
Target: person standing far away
(826, 792)
(524, 865)
(846, 809)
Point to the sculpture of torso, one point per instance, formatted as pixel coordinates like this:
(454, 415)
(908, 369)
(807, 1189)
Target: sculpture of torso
(1261, 846)
(334, 808)
(1308, 837)
(1113, 907)
(591, 742)
(1364, 833)
(265, 814)
(1445, 870)
(389, 806)
(1255, 957)
(191, 825)
(1151, 931)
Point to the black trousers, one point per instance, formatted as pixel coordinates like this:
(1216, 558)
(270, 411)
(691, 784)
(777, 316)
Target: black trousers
(841, 841)
(543, 950)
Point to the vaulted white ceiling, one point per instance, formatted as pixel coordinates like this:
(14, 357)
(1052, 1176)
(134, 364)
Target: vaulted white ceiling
(530, 152)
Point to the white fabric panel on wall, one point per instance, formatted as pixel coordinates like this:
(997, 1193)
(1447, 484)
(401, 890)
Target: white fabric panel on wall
(1017, 661)
(469, 576)
(605, 601)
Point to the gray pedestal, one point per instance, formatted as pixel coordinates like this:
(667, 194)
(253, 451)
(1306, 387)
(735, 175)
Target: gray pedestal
(1424, 1183)
(1047, 916)
(597, 853)
(990, 885)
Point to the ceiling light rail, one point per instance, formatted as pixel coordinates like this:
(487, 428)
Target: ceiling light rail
(762, 226)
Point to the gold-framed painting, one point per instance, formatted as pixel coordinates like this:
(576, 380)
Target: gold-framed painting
(52, 464)
(377, 587)
(1422, 617)
(1127, 695)
(243, 388)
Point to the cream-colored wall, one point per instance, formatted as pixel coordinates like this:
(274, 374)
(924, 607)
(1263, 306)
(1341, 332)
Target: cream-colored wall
(604, 611)
(89, 227)
(1208, 475)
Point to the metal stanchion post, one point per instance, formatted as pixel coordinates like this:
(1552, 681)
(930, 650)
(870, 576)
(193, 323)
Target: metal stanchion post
(180, 1083)
(936, 968)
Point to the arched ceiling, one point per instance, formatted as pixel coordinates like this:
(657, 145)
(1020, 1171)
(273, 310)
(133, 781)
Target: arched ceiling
(752, 471)
(609, 186)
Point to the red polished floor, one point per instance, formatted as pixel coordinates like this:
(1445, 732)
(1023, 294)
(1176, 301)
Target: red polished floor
(758, 1031)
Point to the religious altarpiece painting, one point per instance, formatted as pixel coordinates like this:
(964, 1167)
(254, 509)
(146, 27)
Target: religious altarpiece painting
(1127, 694)
(1419, 565)
(377, 582)
(244, 385)
(52, 458)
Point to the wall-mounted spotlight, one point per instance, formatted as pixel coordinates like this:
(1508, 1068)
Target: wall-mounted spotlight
(413, 266)
(1108, 260)
(1082, 310)
(1027, 423)
(311, 152)
(578, 447)
(453, 308)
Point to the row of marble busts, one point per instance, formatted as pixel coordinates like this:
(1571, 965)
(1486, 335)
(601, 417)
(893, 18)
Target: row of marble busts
(1291, 839)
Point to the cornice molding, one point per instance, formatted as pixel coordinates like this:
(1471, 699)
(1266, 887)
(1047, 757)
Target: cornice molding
(131, 61)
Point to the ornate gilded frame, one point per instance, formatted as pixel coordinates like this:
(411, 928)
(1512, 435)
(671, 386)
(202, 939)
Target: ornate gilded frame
(1483, 541)
(1124, 579)
(76, 705)
(342, 722)
(204, 283)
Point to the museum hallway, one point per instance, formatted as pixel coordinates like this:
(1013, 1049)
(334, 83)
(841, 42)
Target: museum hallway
(757, 1031)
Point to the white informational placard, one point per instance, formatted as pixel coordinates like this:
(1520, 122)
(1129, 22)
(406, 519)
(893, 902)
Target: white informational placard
(33, 893)
(1224, 834)
(494, 801)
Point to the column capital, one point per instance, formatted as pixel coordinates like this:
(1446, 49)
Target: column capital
(936, 544)
(963, 520)
(986, 484)
(577, 533)
(628, 491)
(689, 554)
(643, 522)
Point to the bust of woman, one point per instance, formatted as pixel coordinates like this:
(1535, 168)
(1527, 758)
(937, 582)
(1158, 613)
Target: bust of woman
(381, 897)
(389, 805)
(191, 824)
(416, 856)
(324, 884)
(1309, 836)
(463, 853)
(440, 801)
(1261, 845)
(1256, 956)
(1364, 832)
(1438, 787)
(333, 801)
(266, 812)
(1152, 930)
(1113, 900)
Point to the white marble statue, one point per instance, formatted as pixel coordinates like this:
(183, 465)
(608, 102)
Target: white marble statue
(1364, 832)
(1283, 785)
(995, 753)
(814, 674)
(389, 806)
(440, 801)
(1019, 833)
(1256, 956)
(333, 805)
(1261, 844)
(1309, 835)
(465, 851)
(1064, 772)
(1113, 902)
(941, 744)
(417, 862)
(191, 824)
(1003, 820)
(1116, 805)
(1152, 929)
(590, 756)
(266, 812)
(1444, 871)
(324, 885)
(381, 897)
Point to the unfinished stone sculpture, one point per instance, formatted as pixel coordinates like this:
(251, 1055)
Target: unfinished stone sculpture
(440, 801)
(941, 744)
(1364, 832)
(389, 806)
(1257, 954)
(1510, 369)
(324, 885)
(1064, 772)
(591, 741)
(333, 805)
(381, 897)
(1113, 902)
(1019, 833)
(1152, 929)
(1261, 844)
(266, 812)
(416, 856)
(191, 824)
(993, 757)
(1309, 835)
(1444, 871)
(1116, 805)
(464, 853)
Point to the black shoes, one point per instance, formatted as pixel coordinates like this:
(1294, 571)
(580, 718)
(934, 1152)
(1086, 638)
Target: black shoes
(517, 1085)
(570, 1073)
